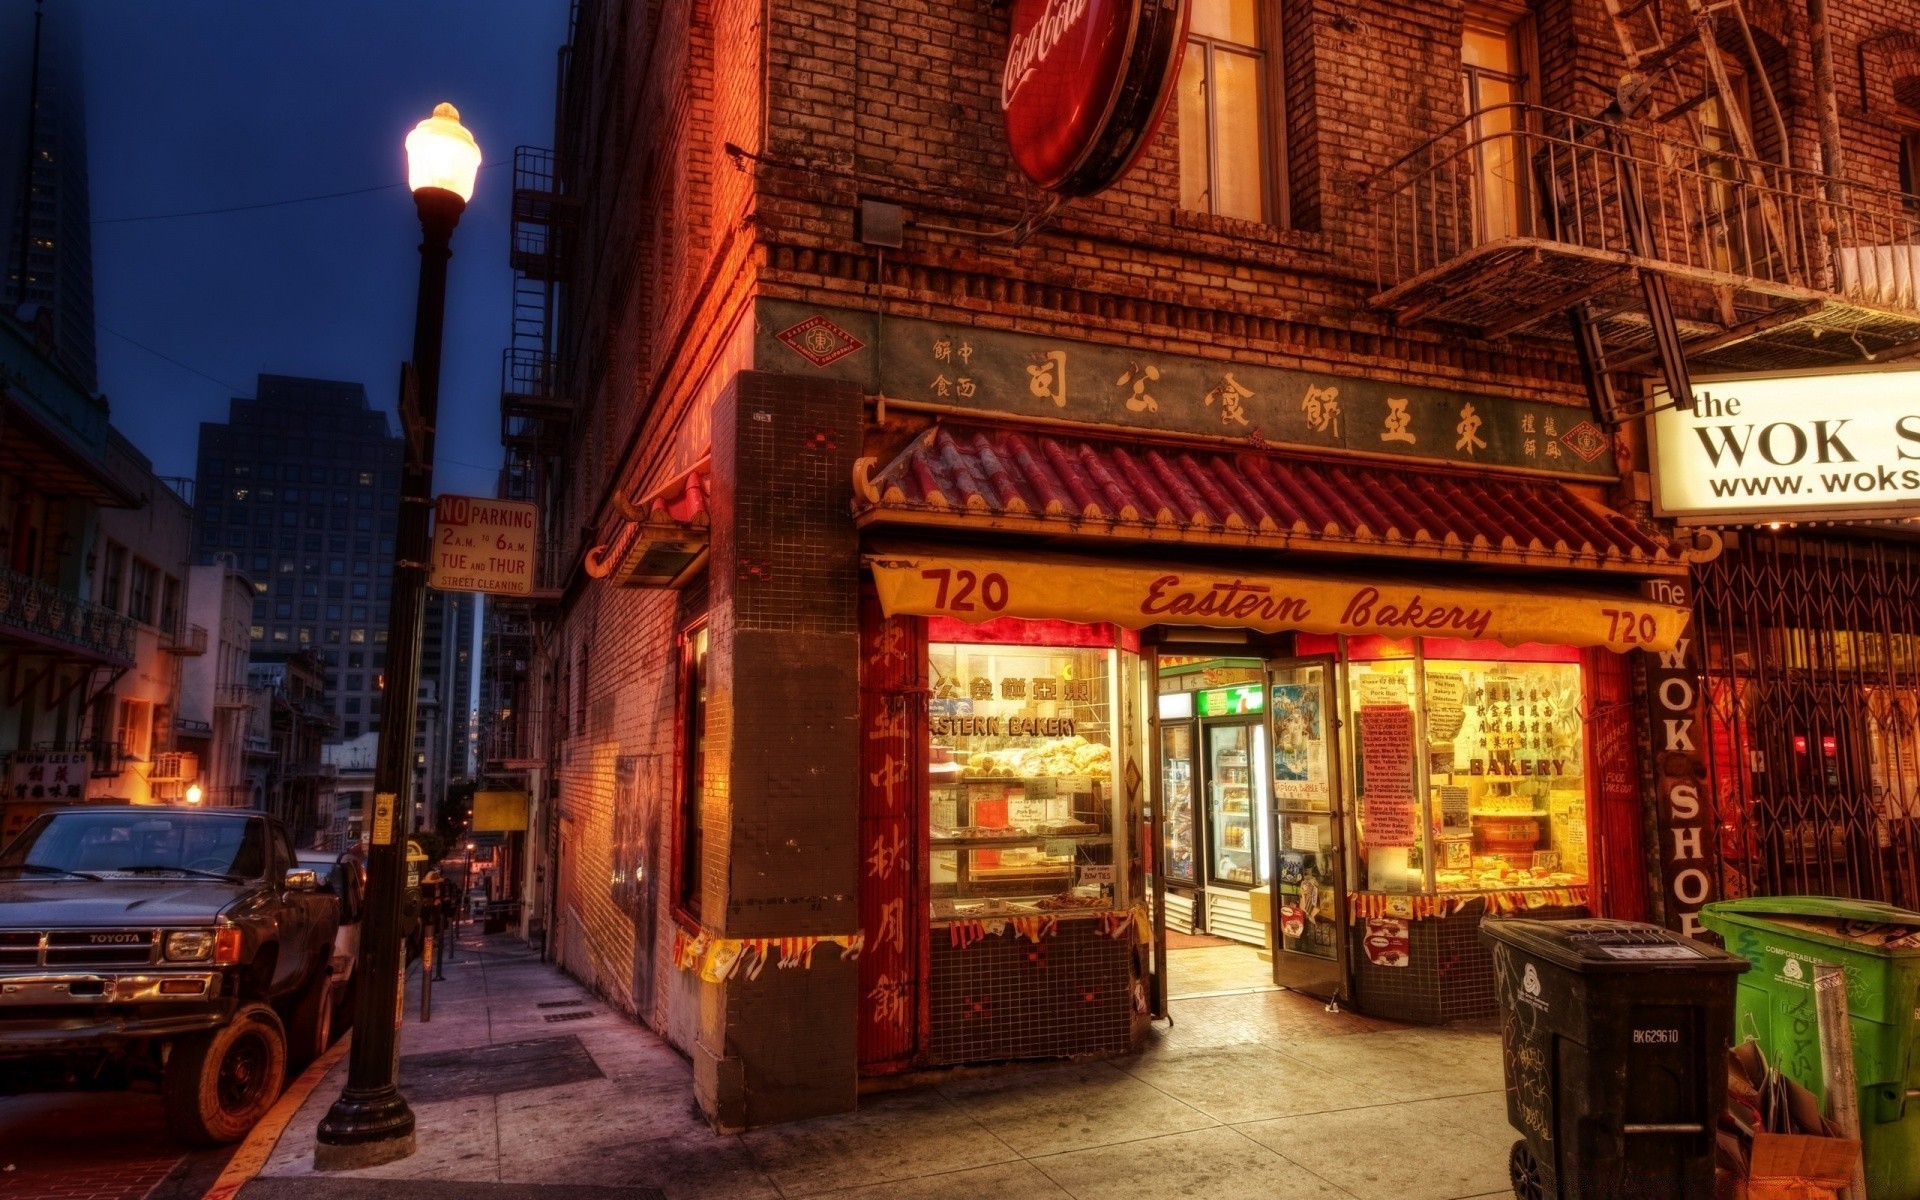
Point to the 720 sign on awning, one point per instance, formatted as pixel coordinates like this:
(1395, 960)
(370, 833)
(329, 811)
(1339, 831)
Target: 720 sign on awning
(483, 545)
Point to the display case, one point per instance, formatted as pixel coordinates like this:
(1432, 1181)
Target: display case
(1469, 767)
(1176, 793)
(1021, 800)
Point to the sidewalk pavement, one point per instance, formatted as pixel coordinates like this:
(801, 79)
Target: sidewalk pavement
(525, 1085)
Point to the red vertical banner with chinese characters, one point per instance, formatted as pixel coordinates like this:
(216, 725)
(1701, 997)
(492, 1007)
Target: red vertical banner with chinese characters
(893, 775)
(1615, 831)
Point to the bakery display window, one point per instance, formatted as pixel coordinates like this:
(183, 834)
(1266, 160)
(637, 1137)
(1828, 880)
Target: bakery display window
(1021, 797)
(1469, 767)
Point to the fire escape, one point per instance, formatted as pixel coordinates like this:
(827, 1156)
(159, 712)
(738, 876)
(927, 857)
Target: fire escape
(536, 414)
(1654, 235)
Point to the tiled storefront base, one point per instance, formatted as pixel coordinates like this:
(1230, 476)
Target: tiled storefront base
(1450, 977)
(1004, 997)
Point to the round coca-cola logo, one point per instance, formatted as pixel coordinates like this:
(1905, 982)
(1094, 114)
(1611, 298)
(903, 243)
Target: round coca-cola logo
(1085, 84)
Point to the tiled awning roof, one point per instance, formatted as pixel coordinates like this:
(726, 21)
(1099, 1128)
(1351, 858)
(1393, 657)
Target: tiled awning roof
(976, 477)
(661, 540)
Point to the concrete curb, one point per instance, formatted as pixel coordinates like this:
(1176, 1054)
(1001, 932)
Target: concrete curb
(258, 1148)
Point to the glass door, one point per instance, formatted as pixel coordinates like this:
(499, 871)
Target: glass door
(1309, 896)
(1176, 796)
(1237, 804)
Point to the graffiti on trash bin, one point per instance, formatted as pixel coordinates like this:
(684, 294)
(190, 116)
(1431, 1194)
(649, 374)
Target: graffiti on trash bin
(1523, 1044)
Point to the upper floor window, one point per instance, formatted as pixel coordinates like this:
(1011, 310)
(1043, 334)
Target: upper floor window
(1225, 164)
(1494, 53)
(113, 578)
(140, 595)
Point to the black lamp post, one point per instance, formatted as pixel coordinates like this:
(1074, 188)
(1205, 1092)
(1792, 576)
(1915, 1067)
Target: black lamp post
(370, 1123)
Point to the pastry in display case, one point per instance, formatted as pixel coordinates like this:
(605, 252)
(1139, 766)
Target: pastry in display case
(1500, 748)
(1020, 781)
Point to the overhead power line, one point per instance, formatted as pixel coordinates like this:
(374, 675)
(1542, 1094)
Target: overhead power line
(214, 212)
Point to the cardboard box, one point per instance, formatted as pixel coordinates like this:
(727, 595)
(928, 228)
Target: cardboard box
(1799, 1166)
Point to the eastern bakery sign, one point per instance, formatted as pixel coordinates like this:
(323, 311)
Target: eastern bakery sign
(981, 589)
(1792, 447)
(1085, 84)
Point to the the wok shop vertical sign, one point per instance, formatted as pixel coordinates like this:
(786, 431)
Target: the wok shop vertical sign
(1683, 816)
(1085, 85)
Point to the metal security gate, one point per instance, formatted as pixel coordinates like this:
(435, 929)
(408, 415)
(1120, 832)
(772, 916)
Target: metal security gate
(1811, 655)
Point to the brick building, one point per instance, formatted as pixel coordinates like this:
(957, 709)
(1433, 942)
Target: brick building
(993, 578)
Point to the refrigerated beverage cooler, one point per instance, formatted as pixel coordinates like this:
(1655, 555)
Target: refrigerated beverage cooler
(1238, 816)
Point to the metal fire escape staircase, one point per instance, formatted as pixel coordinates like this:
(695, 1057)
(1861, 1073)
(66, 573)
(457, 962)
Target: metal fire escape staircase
(536, 419)
(536, 410)
(1663, 239)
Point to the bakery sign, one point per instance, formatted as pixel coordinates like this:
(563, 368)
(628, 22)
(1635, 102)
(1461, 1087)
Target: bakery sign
(1791, 447)
(1135, 596)
(1085, 84)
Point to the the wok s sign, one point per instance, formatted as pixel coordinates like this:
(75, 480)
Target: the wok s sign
(1085, 84)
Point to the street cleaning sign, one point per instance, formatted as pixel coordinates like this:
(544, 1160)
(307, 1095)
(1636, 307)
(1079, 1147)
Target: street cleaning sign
(483, 545)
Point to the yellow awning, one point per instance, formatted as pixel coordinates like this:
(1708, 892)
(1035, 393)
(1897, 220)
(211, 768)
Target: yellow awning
(976, 588)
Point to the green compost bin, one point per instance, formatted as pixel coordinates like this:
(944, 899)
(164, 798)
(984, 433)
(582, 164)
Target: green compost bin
(1879, 947)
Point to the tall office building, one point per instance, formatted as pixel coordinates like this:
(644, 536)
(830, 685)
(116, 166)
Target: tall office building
(48, 244)
(440, 739)
(302, 485)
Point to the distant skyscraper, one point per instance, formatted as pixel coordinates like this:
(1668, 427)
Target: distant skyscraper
(302, 485)
(43, 185)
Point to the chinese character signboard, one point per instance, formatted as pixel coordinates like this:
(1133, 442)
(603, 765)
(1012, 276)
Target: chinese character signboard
(1006, 373)
(1791, 446)
(49, 775)
(482, 545)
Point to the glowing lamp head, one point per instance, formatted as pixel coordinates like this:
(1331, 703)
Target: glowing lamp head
(194, 793)
(442, 154)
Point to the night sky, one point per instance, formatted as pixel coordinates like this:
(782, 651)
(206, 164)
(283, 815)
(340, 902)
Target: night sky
(218, 103)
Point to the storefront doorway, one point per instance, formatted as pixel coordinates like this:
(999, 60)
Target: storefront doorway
(1247, 804)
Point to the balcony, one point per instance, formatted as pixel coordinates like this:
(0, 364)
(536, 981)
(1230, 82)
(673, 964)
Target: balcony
(1519, 214)
(172, 765)
(51, 618)
(105, 759)
(533, 409)
(188, 641)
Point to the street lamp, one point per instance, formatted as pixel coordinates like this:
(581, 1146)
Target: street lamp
(371, 1123)
(194, 793)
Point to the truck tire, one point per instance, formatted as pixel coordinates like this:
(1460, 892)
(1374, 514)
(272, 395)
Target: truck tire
(310, 1022)
(217, 1084)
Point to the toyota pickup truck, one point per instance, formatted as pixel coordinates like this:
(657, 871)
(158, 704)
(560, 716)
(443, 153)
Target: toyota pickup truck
(175, 946)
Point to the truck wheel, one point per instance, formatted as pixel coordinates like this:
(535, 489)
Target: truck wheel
(218, 1083)
(310, 1022)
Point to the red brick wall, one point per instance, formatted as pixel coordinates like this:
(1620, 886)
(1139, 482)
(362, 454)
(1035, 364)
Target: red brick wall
(897, 102)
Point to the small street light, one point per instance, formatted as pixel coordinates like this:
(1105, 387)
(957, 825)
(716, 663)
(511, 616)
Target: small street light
(194, 793)
(371, 1122)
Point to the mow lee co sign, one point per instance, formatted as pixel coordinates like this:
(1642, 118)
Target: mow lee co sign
(1791, 447)
(1085, 84)
(483, 545)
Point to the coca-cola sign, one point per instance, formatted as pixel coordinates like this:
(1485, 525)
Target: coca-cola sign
(1085, 84)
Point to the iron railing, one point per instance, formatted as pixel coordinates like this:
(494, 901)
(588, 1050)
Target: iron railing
(1811, 650)
(185, 640)
(1518, 174)
(42, 612)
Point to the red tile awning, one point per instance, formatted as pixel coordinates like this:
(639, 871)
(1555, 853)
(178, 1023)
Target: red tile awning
(978, 477)
(662, 540)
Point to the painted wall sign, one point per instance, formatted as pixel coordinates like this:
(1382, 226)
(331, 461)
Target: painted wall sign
(1687, 849)
(1792, 447)
(999, 372)
(1085, 84)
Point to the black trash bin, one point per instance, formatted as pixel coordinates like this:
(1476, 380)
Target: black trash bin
(1614, 1037)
